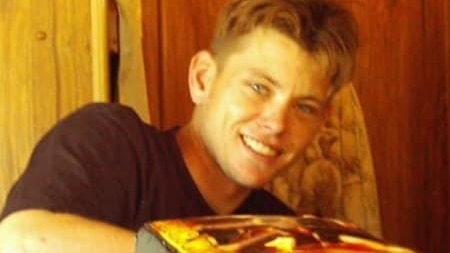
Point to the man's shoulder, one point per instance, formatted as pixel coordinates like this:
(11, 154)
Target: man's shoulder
(102, 124)
(108, 114)
(96, 109)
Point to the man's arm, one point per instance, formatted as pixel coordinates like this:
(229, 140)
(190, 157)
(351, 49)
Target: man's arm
(43, 231)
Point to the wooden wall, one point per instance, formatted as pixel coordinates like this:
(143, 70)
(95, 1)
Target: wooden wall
(168, 46)
(403, 82)
(403, 85)
(45, 73)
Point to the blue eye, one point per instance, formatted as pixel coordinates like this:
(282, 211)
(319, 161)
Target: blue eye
(309, 109)
(259, 88)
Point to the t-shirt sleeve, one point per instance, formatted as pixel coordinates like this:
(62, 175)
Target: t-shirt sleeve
(85, 165)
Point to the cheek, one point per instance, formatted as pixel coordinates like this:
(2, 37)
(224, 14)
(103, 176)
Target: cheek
(240, 110)
(239, 107)
(302, 135)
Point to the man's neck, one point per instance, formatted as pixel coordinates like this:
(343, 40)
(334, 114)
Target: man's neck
(222, 194)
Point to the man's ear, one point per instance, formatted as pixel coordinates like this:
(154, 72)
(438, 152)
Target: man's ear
(202, 72)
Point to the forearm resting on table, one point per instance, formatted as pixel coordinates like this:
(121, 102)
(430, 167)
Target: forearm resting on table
(44, 231)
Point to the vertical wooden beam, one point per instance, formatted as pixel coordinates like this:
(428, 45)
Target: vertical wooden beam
(15, 85)
(99, 45)
(446, 174)
(432, 133)
(132, 80)
(152, 48)
(401, 83)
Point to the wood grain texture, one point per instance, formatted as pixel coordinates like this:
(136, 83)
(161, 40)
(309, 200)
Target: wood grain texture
(402, 86)
(181, 37)
(151, 17)
(445, 245)
(433, 137)
(392, 46)
(100, 50)
(132, 85)
(45, 73)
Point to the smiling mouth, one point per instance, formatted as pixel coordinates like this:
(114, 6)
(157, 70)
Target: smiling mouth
(258, 147)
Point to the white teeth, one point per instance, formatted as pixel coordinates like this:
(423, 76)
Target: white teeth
(259, 147)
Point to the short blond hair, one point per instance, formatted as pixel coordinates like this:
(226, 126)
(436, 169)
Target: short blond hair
(322, 27)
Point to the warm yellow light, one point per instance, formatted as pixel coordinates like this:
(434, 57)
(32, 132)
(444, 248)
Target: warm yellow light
(282, 243)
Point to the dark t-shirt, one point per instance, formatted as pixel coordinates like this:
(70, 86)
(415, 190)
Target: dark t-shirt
(104, 163)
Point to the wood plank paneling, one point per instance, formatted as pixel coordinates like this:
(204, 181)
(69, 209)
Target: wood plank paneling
(45, 73)
(181, 37)
(446, 177)
(432, 150)
(402, 87)
(15, 45)
(152, 56)
(397, 59)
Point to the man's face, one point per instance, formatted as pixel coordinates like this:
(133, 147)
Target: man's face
(262, 108)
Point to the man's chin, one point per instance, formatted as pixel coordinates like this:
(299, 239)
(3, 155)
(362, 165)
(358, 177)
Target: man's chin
(252, 183)
(252, 178)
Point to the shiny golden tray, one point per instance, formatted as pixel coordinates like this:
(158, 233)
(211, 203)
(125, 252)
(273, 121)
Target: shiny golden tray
(258, 234)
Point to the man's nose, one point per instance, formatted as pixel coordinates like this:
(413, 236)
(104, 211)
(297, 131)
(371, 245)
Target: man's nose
(275, 118)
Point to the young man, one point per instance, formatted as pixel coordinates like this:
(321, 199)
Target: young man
(260, 96)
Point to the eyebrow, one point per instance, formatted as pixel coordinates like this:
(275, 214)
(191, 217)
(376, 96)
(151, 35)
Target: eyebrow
(262, 74)
(313, 99)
